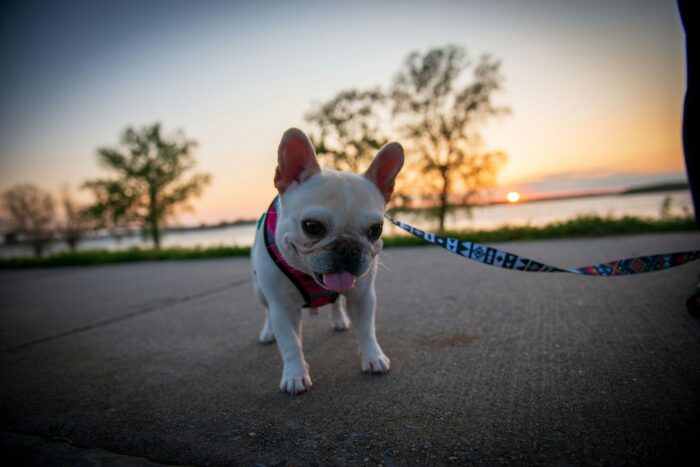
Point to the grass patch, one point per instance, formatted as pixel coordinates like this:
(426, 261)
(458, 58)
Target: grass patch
(96, 257)
(584, 226)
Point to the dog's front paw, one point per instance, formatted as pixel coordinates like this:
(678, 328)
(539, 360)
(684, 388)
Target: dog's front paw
(296, 384)
(375, 363)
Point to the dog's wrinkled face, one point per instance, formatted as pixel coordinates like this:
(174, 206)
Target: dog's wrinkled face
(331, 222)
(331, 226)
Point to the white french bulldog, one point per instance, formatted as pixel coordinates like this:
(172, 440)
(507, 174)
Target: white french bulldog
(317, 243)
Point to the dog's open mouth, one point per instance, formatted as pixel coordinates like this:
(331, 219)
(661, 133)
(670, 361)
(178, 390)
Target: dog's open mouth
(339, 282)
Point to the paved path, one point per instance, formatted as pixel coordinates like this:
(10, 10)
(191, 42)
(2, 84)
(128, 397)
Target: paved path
(159, 362)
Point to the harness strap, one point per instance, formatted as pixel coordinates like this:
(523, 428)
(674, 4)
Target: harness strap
(313, 294)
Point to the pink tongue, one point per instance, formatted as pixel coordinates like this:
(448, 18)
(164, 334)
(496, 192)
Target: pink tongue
(339, 281)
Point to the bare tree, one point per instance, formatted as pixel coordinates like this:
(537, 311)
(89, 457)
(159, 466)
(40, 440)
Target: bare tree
(150, 181)
(75, 224)
(441, 116)
(348, 129)
(30, 212)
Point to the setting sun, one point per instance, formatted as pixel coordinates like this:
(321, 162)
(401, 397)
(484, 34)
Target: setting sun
(513, 197)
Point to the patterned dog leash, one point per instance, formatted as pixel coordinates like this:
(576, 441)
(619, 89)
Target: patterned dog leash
(503, 259)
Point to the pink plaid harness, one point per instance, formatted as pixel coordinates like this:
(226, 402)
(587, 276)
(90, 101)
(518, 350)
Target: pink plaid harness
(314, 295)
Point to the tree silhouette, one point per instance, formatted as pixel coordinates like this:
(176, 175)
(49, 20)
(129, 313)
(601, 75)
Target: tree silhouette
(30, 213)
(151, 180)
(440, 116)
(347, 130)
(75, 223)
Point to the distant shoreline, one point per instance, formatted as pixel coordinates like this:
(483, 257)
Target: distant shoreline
(580, 227)
(130, 235)
(659, 187)
(220, 225)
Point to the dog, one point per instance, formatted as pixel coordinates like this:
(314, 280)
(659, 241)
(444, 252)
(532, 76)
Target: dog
(317, 244)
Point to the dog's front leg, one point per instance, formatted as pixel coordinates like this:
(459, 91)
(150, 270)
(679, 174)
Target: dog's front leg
(362, 306)
(286, 324)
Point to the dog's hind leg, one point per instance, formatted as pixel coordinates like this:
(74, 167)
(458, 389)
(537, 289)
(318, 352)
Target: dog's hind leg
(339, 319)
(267, 335)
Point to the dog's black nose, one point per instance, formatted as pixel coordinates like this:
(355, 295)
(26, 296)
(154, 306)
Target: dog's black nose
(346, 248)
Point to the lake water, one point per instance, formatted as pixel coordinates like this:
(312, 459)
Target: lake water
(487, 217)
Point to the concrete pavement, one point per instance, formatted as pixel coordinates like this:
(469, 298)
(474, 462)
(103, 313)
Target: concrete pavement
(158, 362)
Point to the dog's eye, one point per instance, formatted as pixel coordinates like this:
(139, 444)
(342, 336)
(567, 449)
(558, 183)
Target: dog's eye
(313, 228)
(374, 232)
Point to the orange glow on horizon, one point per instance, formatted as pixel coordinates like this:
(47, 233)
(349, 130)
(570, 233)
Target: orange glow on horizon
(513, 197)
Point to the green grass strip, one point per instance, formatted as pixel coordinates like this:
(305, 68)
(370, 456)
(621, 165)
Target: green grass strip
(584, 226)
(96, 257)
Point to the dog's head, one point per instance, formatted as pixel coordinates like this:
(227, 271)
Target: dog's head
(330, 223)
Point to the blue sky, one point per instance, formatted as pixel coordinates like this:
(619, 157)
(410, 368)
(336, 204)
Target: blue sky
(595, 87)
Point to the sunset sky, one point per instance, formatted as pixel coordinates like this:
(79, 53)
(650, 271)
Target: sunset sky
(595, 87)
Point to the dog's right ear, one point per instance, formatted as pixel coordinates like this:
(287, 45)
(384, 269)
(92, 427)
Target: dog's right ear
(296, 160)
(385, 167)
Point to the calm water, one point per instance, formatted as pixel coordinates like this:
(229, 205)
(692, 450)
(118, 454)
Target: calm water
(645, 205)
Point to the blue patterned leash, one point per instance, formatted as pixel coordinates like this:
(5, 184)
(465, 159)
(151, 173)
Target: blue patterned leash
(503, 259)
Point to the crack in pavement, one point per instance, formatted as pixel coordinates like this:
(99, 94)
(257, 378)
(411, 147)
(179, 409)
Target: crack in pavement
(124, 317)
(26, 445)
(11, 276)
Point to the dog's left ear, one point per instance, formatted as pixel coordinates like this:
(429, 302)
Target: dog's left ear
(296, 160)
(385, 167)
